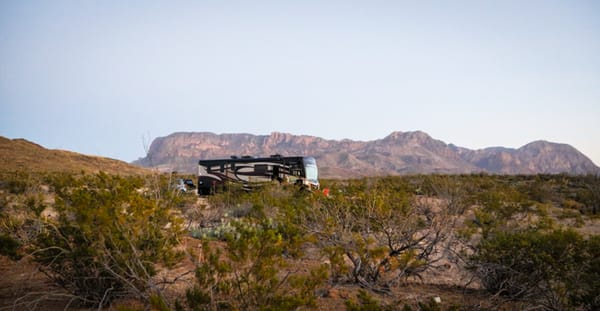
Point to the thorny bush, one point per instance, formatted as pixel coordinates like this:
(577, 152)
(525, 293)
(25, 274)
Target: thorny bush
(110, 234)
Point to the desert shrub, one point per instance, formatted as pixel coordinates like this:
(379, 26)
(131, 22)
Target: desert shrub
(366, 302)
(585, 285)
(541, 189)
(581, 192)
(217, 232)
(590, 195)
(35, 204)
(252, 272)
(504, 210)
(19, 182)
(557, 270)
(21, 203)
(9, 247)
(234, 202)
(377, 234)
(108, 238)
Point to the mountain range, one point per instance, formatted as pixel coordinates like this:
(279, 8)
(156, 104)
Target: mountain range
(398, 153)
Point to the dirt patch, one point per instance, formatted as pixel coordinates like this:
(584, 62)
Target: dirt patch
(24, 287)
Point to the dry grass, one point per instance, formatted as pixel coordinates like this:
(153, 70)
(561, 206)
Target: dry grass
(23, 155)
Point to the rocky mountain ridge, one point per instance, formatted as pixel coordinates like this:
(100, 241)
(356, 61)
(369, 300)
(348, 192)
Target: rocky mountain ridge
(398, 153)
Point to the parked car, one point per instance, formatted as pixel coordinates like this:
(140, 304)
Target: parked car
(184, 185)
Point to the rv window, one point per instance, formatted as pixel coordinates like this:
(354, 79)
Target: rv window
(260, 168)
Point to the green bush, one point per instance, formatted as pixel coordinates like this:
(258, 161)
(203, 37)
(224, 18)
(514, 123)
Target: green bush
(108, 238)
(18, 182)
(376, 232)
(366, 303)
(252, 272)
(9, 247)
(556, 270)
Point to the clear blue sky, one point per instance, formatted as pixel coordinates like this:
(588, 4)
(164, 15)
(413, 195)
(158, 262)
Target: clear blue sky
(106, 77)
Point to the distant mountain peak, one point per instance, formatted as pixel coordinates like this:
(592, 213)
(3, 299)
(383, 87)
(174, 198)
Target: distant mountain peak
(545, 145)
(413, 135)
(397, 153)
(279, 137)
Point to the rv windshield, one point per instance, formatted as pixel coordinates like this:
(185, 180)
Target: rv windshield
(310, 167)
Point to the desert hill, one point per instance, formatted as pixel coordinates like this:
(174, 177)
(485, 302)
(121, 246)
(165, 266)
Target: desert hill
(20, 154)
(398, 153)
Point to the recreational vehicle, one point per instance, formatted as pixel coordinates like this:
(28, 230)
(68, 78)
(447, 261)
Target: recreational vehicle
(249, 171)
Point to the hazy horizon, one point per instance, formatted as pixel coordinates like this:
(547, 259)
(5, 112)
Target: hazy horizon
(105, 78)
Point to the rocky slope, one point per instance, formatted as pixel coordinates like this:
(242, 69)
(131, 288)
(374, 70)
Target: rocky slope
(397, 153)
(23, 155)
